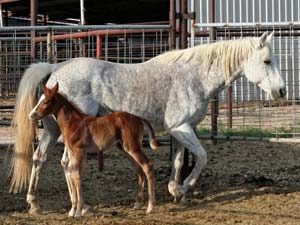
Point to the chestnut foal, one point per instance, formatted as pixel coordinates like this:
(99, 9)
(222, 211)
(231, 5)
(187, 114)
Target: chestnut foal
(82, 133)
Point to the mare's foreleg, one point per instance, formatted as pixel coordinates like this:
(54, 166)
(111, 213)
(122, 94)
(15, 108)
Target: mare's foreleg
(48, 140)
(186, 136)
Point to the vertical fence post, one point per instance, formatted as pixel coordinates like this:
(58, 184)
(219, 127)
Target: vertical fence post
(215, 102)
(98, 46)
(229, 107)
(33, 18)
(183, 15)
(172, 16)
(49, 46)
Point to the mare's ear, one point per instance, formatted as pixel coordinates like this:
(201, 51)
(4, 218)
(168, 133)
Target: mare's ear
(55, 88)
(270, 37)
(262, 39)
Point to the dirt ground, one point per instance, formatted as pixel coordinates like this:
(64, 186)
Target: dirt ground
(243, 183)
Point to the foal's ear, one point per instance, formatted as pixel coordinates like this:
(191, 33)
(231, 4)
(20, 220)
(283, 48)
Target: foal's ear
(45, 89)
(55, 88)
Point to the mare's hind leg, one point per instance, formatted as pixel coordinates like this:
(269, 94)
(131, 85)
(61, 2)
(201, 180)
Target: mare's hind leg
(186, 136)
(48, 140)
(147, 168)
(177, 159)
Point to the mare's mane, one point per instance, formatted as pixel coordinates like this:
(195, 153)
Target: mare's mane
(227, 54)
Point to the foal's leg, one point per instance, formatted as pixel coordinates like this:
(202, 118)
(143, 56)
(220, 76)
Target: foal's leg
(48, 140)
(147, 167)
(65, 162)
(77, 162)
(140, 181)
(186, 136)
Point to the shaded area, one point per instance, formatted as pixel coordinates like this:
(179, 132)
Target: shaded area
(98, 12)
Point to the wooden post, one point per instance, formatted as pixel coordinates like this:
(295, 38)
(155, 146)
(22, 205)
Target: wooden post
(49, 46)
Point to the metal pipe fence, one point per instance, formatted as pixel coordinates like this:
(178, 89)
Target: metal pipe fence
(116, 43)
(245, 111)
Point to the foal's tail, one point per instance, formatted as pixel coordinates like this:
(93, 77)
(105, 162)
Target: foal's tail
(25, 128)
(152, 141)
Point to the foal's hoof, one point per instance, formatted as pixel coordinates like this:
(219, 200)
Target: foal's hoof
(72, 212)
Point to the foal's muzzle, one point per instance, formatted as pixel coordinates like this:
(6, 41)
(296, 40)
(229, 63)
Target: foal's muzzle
(34, 116)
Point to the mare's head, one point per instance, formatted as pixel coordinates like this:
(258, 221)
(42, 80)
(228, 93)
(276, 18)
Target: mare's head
(47, 104)
(261, 68)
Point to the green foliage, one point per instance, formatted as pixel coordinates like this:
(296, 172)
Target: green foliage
(247, 131)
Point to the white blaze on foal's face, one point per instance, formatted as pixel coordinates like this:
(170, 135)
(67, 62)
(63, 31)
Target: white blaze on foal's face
(261, 68)
(33, 115)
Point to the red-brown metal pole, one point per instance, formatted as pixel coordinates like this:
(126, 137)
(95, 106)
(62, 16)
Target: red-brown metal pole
(172, 16)
(33, 19)
(183, 7)
(215, 102)
(98, 46)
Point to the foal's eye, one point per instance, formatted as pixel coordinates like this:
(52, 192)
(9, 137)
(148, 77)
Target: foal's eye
(268, 62)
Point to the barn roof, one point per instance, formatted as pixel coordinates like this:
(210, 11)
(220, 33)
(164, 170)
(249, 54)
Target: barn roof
(97, 12)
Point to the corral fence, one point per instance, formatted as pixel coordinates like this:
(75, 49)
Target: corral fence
(20, 46)
(244, 111)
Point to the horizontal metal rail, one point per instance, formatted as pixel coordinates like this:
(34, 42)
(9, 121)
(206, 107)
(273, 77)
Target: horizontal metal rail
(252, 24)
(85, 27)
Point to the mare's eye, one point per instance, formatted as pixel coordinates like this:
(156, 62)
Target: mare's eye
(268, 62)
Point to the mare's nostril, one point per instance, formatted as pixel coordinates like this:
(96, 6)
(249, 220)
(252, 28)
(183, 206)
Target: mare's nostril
(282, 92)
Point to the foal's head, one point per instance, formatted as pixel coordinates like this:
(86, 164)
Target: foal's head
(48, 103)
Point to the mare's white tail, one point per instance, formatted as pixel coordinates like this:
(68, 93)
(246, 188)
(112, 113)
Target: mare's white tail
(25, 128)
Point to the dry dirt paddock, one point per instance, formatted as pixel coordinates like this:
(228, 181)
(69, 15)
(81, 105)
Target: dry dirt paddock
(243, 183)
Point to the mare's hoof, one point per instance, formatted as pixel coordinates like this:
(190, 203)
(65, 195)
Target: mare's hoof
(183, 200)
(35, 211)
(149, 210)
(138, 205)
(78, 214)
(87, 210)
(177, 191)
